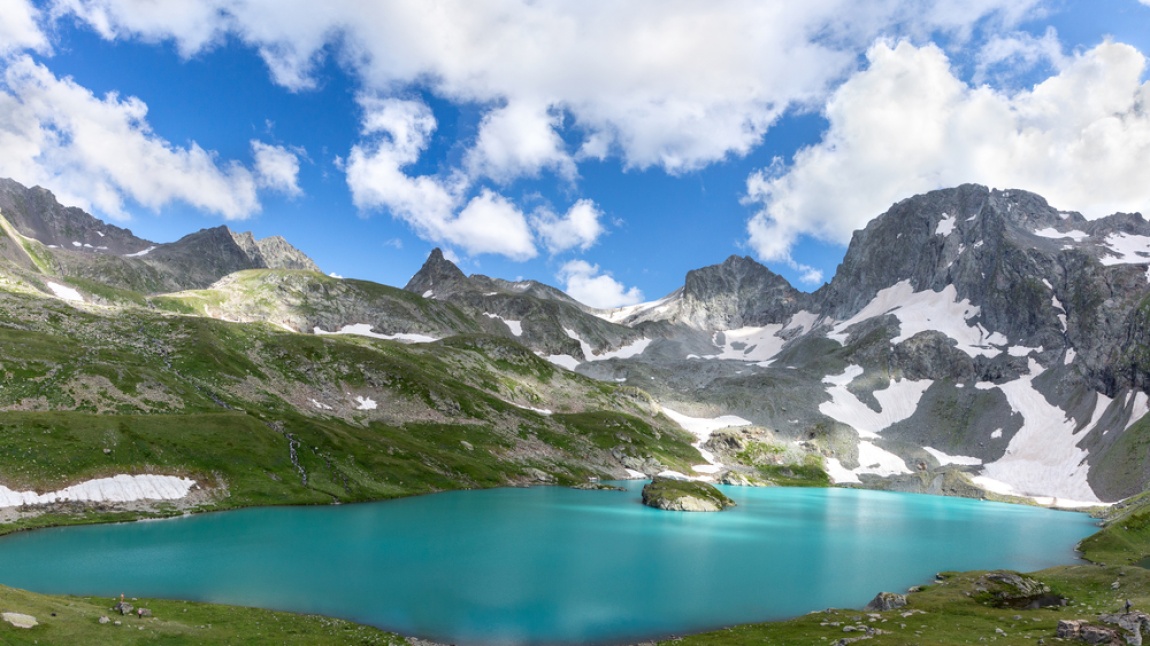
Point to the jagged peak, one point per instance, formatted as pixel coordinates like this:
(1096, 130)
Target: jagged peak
(437, 272)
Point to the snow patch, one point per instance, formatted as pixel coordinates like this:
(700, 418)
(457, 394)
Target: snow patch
(701, 428)
(365, 403)
(636, 475)
(516, 327)
(1051, 232)
(1042, 459)
(562, 360)
(1022, 351)
(363, 329)
(996, 433)
(119, 488)
(139, 254)
(877, 461)
(802, 322)
(750, 344)
(999, 487)
(1127, 249)
(927, 310)
(320, 405)
(428, 294)
(633, 349)
(897, 402)
(944, 459)
(1070, 356)
(65, 293)
(945, 226)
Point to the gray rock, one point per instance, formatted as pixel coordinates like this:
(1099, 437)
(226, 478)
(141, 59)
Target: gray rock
(887, 601)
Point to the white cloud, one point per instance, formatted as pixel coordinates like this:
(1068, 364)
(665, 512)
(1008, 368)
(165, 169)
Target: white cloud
(19, 27)
(907, 125)
(277, 168)
(399, 131)
(590, 286)
(1005, 56)
(519, 140)
(491, 224)
(100, 152)
(579, 227)
(675, 84)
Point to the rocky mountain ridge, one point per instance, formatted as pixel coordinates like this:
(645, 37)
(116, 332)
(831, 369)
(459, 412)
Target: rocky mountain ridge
(973, 342)
(68, 242)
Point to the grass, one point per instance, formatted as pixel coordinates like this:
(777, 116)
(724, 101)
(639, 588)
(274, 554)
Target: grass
(75, 620)
(948, 612)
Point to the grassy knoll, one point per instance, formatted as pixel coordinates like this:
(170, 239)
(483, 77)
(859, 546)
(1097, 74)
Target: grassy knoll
(75, 620)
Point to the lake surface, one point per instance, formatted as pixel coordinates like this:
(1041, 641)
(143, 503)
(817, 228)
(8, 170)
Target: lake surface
(549, 565)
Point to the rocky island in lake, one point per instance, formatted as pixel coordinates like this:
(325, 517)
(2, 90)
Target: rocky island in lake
(680, 495)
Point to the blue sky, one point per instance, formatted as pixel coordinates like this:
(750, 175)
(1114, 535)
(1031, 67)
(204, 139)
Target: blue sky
(603, 147)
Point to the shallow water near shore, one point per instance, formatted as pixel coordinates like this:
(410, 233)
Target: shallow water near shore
(549, 565)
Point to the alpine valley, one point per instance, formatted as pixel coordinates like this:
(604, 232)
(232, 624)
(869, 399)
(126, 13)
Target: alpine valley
(973, 342)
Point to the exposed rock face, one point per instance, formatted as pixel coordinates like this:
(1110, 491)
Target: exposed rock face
(678, 495)
(738, 293)
(36, 213)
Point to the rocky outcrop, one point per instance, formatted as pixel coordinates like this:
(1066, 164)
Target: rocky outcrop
(680, 495)
(884, 601)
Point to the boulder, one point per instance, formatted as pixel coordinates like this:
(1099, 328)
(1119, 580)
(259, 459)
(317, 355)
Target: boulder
(887, 601)
(20, 620)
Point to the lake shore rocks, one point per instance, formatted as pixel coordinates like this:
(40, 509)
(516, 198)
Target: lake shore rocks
(679, 495)
(884, 601)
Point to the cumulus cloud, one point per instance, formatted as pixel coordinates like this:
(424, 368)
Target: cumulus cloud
(436, 207)
(20, 28)
(518, 140)
(578, 228)
(100, 152)
(589, 285)
(277, 168)
(907, 124)
(673, 84)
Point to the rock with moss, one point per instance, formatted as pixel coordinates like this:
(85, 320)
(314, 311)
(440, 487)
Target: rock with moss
(680, 495)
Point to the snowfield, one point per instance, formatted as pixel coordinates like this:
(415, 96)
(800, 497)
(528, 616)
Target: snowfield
(120, 488)
(363, 329)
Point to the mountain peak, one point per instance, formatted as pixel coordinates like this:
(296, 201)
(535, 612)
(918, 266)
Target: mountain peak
(437, 273)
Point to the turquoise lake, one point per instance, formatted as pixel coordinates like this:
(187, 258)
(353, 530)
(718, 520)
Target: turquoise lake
(549, 565)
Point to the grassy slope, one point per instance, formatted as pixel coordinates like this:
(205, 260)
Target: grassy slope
(950, 617)
(75, 620)
(134, 391)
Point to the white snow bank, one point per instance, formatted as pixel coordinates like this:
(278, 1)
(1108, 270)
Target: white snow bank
(751, 344)
(881, 462)
(633, 349)
(516, 327)
(1127, 249)
(702, 427)
(120, 488)
(651, 308)
(944, 459)
(1051, 232)
(365, 403)
(562, 360)
(363, 329)
(945, 226)
(320, 405)
(1043, 458)
(65, 293)
(636, 475)
(927, 310)
(897, 402)
(840, 474)
(139, 254)
(995, 486)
